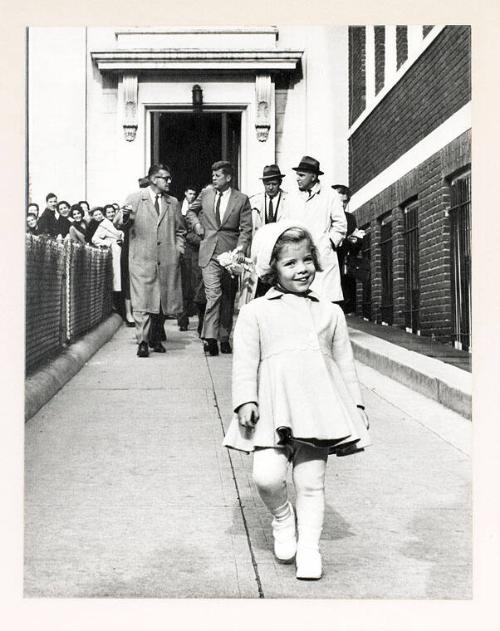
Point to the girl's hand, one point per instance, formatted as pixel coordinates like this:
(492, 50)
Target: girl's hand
(248, 414)
(364, 418)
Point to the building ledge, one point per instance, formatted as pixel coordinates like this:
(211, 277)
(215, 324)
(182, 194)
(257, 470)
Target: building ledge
(194, 59)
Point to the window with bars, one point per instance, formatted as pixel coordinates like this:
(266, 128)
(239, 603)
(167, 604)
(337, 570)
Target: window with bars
(401, 45)
(386, 268)
(379, 58)
(412, 277)
(460, 235)
(366, 304)
(357, 71)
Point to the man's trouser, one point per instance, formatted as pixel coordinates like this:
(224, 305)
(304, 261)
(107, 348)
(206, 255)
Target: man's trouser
(188, 307)
(149, 327)
(220, 290)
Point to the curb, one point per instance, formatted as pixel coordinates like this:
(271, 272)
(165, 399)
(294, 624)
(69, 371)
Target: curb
(43, 384)
(446, 384)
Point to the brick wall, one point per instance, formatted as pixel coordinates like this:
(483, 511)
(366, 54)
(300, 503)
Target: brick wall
(435, 87)
(428, 183)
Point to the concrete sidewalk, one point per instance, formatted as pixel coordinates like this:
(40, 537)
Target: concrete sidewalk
(407, 359)
(128, 492)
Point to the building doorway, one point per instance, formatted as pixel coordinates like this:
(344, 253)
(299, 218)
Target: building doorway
(190, 142)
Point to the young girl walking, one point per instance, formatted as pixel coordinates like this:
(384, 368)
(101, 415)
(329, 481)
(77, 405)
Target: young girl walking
(296, 394)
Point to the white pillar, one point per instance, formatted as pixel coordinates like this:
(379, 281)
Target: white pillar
(415, 37)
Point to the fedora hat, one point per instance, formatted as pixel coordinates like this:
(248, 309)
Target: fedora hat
(308, 164)
(271, 172)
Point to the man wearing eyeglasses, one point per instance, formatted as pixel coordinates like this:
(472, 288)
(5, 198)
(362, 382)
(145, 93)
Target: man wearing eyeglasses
(156, 240)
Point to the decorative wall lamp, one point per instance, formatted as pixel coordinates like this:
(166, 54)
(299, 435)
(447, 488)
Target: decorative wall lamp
(130, 106)
(197, 98)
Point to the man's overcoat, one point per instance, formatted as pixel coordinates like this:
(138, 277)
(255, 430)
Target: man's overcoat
(322, 213)
(156, 242)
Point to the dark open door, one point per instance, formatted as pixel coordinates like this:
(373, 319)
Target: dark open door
(189, 143)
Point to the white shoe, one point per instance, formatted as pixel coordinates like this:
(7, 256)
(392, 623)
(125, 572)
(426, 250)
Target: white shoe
(285, 539)
(308, 561)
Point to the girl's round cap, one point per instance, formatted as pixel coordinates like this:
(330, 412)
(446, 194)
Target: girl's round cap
(264, 241)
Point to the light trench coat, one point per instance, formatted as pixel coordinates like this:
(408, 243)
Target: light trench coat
(107, 235)
(292, 356)
(155, 245)
(258, 204)
(322, 213)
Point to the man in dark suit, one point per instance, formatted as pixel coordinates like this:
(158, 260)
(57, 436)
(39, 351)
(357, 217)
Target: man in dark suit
(349, 247)
(222, 216)
(47, 223)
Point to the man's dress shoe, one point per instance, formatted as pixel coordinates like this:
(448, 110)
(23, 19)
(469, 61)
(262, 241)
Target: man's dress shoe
(225, 347)
(211, 347)
(158, 347)
(143, 351)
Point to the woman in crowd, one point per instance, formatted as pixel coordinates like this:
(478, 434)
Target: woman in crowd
(126, 308)
(96, 216)
(107, 235)
(31, 224)
(63, 221)
(34, 209)
(85, 210)
(78, 228)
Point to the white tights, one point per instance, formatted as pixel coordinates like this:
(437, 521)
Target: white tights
(309, 466)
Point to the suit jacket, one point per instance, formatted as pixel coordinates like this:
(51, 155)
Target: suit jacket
(47, 224)
(347, 248)
(258, 204)
(234, 231)
(155, 245)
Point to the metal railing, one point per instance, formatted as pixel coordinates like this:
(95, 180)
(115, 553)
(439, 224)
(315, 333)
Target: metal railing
(68, 291)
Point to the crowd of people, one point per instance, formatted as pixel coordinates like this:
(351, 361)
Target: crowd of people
(296, 395)
(203, 283)
(98, 226)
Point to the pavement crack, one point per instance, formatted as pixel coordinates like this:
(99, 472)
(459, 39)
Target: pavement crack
(238, 495)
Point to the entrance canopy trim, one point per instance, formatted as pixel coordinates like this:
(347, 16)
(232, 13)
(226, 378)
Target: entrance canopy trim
(188, 59)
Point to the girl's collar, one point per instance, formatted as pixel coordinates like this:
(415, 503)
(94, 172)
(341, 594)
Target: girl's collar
(277, 291)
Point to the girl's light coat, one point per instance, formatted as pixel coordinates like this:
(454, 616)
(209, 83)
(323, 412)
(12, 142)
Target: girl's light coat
(292, 356)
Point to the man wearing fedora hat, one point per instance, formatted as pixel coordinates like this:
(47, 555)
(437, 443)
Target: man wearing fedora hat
(268, 206)
(320, 210)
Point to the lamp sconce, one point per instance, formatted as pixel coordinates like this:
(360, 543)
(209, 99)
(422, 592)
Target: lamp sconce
(197, 98)
(130, 107)
(263, 95)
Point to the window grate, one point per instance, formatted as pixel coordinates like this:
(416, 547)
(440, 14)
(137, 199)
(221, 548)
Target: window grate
(412, 281)
(366, 305)
(460, 232)
(386, 266)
